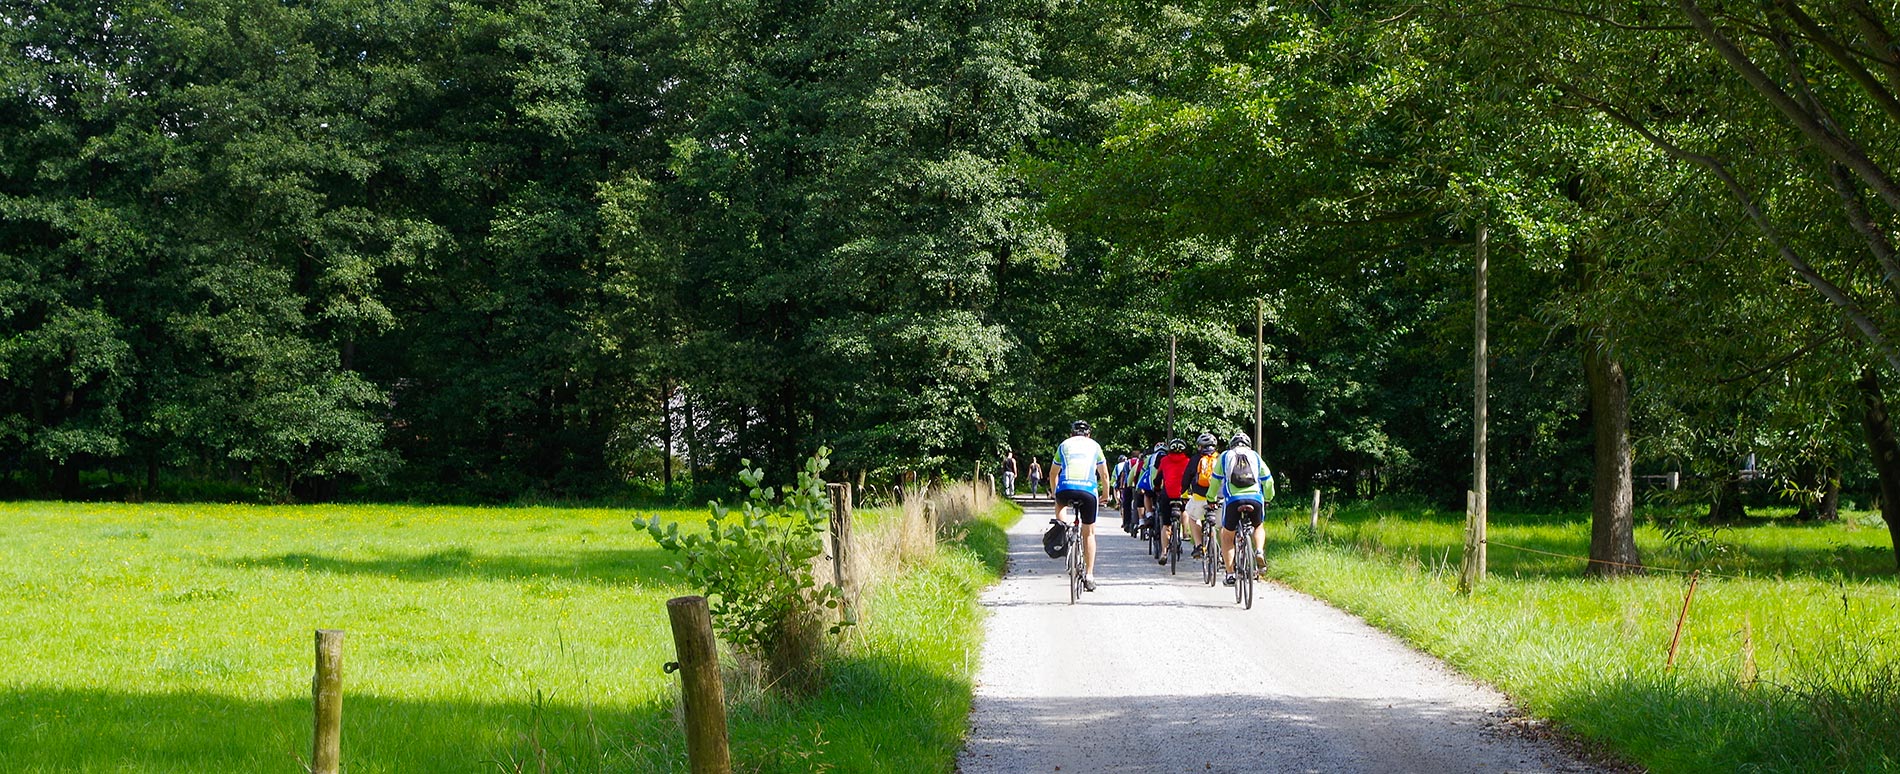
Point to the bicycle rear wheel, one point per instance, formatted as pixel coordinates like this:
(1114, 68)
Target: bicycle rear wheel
(1243, 560)
(1075, 568)
(1174, 550)
(1210, 553)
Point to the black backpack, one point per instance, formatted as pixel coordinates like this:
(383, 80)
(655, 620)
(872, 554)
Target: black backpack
(1243, 475)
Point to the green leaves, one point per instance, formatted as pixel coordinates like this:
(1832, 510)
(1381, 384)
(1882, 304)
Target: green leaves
(757, 565)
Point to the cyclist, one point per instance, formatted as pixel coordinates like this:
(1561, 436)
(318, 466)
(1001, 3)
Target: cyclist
(1119, 478)
(1242, 459)
(1200, 480)
(1171, 469)
(1078, 474)
(1144, 486)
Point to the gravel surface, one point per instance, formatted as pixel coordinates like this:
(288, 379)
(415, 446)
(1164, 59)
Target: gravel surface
(1159, 673)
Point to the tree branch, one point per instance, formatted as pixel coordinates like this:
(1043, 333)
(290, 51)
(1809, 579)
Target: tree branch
(1840, 149)
(1832, 292)
(1877, 36)
(1842, 57)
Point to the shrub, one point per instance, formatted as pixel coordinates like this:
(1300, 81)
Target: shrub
(757, 567)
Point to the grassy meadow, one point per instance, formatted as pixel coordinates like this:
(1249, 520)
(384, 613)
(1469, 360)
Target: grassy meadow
(1789, 659)
(178, 638)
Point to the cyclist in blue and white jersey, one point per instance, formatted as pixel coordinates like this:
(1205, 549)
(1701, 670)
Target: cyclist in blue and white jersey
(1078, 474)
(1240, 455)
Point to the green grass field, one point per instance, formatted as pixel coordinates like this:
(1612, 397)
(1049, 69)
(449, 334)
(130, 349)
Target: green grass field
(178, 638)
(1788, 660)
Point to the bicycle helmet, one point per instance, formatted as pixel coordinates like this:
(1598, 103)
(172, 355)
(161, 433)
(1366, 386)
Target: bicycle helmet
(1079, 427)
(1124, 458)
(1159, 447)
(1240, 439)
(1177, 445)
(1207, 441)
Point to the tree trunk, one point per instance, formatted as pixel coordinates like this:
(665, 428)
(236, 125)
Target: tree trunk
(1725, 503)
(692, 442)
(666, 447)
(1612, 490)
(1885, 451)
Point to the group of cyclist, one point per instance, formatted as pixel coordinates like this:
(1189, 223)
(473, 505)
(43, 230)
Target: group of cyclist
(1163, 487)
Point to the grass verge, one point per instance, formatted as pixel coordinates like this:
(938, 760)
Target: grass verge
(1787, 661)
(177, 638)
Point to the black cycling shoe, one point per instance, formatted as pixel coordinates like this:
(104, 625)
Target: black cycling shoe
(1088, 584)
(1197, 553)
(1229, 582)
(1162, 560)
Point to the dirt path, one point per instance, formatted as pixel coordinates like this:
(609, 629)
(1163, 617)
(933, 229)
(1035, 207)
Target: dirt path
(1099, 686)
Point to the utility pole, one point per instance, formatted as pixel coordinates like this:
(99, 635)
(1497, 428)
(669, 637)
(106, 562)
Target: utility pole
(1171, 351)
(1259, 369)
(1475, 526)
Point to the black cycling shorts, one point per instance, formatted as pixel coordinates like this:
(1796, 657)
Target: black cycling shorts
(1170, 514)
(1081, 499)
(1230, 513)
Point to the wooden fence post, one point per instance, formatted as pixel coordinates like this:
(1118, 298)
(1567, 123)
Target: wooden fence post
(1472, 572)
(326, 689)
(1315, 510)
(841, 540)
(702, 692)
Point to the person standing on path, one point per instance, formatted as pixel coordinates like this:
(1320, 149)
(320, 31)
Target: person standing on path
(1078, 475)
(1009, 474)
(1035, 477)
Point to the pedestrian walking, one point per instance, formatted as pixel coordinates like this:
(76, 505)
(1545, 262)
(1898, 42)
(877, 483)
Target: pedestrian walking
(1035, 477)
(1009, 474)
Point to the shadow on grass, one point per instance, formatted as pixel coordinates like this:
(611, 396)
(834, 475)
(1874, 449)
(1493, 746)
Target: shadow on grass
(1670, 725)
(1528, 553)
(605, 567)
(82, 731)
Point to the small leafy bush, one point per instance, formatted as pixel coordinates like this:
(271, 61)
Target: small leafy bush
(757, 567)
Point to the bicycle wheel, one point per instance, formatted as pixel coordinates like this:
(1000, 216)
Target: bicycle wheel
(1174, 550)
(1243, 559)
(1239, 567)
(1075, 568)
(1210, 553)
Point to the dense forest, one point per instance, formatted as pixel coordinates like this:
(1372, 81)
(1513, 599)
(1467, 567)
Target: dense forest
(440, 249)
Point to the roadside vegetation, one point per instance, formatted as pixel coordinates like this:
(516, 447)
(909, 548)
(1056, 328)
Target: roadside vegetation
(1788, 659)
(177, 638)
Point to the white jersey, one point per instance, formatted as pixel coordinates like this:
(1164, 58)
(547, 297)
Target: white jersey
(1078, 457)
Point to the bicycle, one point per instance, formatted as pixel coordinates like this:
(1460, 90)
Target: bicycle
(1210, 545)
(1244, 569)
(1072, 544)
(1175, 510)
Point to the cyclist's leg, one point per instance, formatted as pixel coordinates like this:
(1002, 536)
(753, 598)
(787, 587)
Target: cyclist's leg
(1086, 507)
(1230, 520)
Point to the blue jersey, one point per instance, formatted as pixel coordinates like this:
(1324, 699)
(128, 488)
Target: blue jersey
(1078, 458)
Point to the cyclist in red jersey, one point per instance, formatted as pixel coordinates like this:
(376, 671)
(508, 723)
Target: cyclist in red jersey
(1171, 472)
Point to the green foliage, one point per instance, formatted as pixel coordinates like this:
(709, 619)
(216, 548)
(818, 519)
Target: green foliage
(758, 568)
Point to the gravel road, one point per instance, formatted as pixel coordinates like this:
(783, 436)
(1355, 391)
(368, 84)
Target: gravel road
(1101, 686)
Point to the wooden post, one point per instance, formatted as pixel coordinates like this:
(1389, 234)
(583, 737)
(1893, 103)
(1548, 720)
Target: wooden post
(1315, 510)
(841, 539)
(702, 692)
(1467, 573)
(326, 689)
(1480, 505)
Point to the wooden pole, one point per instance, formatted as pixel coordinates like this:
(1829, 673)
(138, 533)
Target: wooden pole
(1475, 558)
(1259, 370)
(1316, 510)
(1682, 619)
(702, 692)
(326, 689)
(1171, 348)
(1467, 579)
(841, 539)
